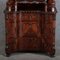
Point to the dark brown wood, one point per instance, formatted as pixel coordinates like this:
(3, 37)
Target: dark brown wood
(30, 30)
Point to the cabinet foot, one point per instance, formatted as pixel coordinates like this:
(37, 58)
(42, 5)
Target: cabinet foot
(7, 54)
(52, 53)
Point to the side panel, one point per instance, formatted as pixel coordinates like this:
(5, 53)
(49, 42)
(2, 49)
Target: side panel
(11, 36)
(49, 33)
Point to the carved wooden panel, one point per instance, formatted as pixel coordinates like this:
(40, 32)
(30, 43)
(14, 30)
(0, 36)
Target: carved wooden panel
(29, 30)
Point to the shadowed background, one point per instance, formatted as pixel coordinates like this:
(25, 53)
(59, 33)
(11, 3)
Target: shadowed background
(27, 56)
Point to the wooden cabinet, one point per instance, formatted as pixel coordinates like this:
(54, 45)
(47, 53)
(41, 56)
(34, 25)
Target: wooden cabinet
(30, 27)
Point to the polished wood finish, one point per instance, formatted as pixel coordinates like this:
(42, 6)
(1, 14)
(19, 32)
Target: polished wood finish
(30, 27)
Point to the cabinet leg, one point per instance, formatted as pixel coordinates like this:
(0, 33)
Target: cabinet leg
(52, 53)
(8, 53)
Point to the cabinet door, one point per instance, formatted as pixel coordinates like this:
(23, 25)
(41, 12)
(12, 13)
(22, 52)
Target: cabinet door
(29, 30)
(11, 36)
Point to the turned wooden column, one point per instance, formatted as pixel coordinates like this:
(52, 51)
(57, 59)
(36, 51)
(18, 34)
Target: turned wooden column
(10, 5)
(51, 5)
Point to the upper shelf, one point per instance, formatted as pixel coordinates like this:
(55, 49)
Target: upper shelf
(36, 2)
(30, 0)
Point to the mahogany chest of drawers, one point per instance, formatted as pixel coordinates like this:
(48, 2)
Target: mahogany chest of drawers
(30, 26)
